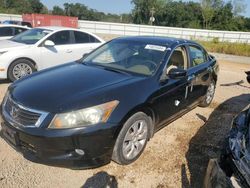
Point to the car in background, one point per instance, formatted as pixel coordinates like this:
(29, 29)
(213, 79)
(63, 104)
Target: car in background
(43, 47)
(233, 167)
(7, 31)
(108, 104)
(15, 22)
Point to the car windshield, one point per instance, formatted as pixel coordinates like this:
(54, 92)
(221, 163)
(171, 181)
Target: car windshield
(128, 55)
(31, 36)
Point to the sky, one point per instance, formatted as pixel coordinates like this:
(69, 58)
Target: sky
(111, 6)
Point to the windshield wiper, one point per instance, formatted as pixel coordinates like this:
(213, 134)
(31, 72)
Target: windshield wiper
(115, 70)
(108, 68)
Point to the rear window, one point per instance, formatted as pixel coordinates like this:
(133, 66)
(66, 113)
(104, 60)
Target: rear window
(81, 37)
(6, 31)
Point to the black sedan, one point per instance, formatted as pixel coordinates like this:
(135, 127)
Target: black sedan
(108, 104)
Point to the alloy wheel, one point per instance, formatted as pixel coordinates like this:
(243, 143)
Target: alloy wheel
(21, 69)
(135, 139)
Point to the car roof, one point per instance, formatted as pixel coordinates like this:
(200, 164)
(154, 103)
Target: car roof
(57, 28)
(13, 25)
(160, 40)
(61, 28)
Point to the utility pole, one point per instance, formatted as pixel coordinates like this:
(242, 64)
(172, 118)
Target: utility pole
(152, 18)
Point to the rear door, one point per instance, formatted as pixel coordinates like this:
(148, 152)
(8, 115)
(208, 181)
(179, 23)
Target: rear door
(61, 53)
(84, 43)
(198, 74)
(6, 32)
(170, 100)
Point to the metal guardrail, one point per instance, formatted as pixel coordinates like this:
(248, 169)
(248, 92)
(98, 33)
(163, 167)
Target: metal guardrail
(132, 29)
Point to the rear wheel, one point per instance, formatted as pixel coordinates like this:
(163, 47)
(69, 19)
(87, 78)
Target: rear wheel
(20, 68)
(132, 139)
(209, 95)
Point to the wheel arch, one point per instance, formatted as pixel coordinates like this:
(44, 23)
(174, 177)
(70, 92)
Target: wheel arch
(26, 58)
(145, 108)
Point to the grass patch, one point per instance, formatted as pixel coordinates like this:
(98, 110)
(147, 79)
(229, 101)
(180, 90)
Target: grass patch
(241, 49)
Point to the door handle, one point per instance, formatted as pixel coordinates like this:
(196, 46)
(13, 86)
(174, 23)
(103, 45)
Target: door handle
(68, 51)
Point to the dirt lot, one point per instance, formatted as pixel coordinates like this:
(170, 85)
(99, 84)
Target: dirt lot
(176, 156)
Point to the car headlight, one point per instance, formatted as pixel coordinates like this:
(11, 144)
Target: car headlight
(1, 53)
(84, 117)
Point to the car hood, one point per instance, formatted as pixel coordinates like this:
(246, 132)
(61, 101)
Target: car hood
(53, 89)
(10, 45)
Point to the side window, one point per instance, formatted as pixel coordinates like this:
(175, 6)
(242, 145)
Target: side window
(81, 37)
(61, 38)
(19, 30)
(6, 31)
(93, 39)
(178, 59)
(197, 55)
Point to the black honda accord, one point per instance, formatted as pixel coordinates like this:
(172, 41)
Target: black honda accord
(108, 104)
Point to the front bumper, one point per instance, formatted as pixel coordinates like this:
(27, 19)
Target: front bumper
(3, 73)
(57, 147)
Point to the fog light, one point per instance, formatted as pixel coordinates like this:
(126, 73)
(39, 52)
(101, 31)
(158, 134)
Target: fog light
(79, 151)
(2, 69)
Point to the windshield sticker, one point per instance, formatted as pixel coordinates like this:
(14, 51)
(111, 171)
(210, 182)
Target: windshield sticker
(155, 47)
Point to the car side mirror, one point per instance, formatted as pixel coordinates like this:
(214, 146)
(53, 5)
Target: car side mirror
(177, 73)
(49, 43)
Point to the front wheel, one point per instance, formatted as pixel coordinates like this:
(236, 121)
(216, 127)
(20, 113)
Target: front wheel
(206, 101)
(20, 68)
(132, 139)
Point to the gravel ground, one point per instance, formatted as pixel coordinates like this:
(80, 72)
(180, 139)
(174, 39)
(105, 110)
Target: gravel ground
(177, 155)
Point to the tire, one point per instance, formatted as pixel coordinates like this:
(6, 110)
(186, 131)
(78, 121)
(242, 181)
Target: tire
(20, 68)
(132, 139)
(208, 98)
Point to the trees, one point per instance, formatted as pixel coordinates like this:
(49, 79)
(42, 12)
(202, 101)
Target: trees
(180, 14)
(143, 10)
(58, 11)
(36, 6)
(208, 9)
(207, 14)
(22, 6)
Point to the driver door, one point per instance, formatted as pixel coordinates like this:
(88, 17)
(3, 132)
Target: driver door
(60, 53)
(171, 97)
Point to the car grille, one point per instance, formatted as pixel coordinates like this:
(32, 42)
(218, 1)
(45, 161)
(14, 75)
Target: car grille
(22, 116)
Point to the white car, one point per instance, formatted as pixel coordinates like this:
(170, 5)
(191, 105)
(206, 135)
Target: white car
(43, 47)
(7, 31)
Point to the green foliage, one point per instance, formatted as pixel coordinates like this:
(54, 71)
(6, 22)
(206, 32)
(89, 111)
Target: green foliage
(215, 40)
(144, 9)
(227, 47)
(22, 6)
(207, 14)
(58, 11)
(181, 14)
